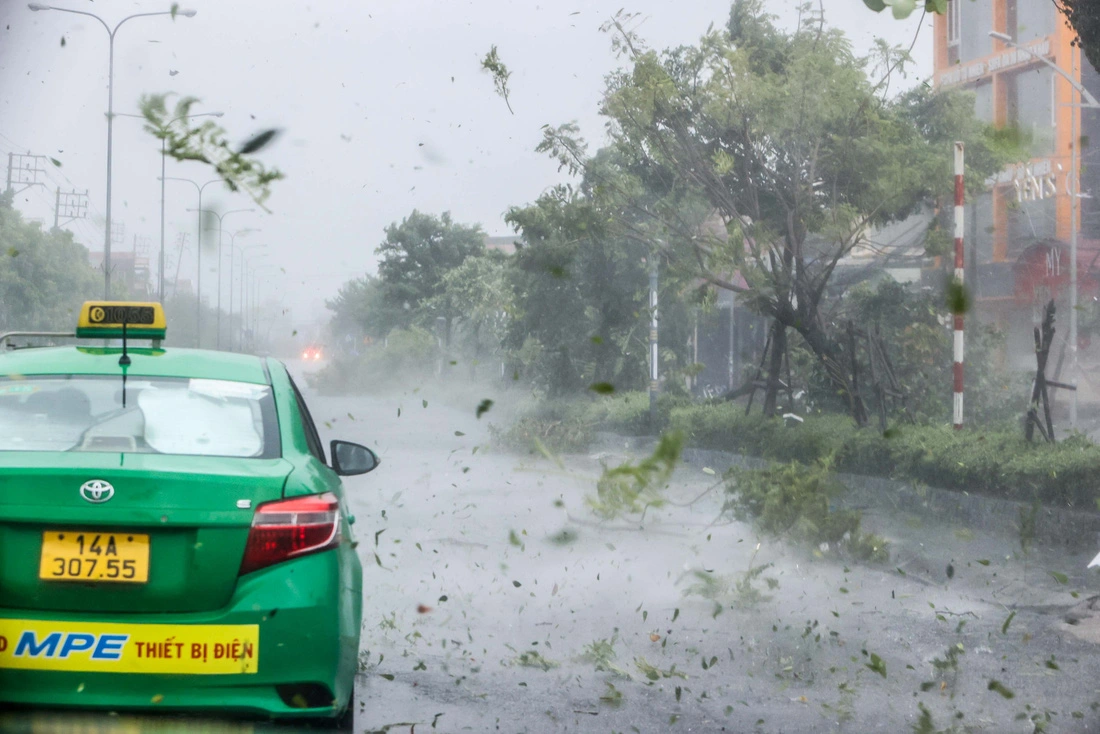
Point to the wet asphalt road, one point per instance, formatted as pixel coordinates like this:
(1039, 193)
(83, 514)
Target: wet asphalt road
(494, 579)
(495, 602)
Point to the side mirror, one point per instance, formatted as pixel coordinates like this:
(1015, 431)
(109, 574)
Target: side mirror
(349, 459)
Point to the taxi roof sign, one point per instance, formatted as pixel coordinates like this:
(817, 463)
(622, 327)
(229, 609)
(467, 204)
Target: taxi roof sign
(118, 319)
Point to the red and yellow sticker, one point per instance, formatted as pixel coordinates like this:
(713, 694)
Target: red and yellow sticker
(108, 647)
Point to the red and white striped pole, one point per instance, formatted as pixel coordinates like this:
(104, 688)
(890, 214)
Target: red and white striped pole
(960, 198)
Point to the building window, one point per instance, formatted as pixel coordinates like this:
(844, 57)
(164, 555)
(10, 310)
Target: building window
(953, 31)
(1027, 20)
(1031, 108)
(974, 22)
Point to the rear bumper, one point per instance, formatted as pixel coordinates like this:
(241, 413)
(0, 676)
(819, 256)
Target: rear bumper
(299, 613)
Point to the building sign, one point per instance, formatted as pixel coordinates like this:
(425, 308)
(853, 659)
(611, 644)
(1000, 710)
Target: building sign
(968, 72)
(1032, 181)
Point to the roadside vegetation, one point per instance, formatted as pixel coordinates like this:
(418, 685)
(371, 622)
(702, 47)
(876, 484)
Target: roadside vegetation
(995, 460)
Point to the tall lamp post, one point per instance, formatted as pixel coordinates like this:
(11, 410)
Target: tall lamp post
(110, 114)
(254, 292)
(198, 283)
(232, 261)
(243, 287)
(1075, 202)
(163, 157)
(221, 216)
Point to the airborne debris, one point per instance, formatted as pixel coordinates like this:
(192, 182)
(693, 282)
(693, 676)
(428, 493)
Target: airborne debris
(500, 73)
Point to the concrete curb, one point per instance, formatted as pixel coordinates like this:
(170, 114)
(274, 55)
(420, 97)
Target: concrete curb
(1072, 530)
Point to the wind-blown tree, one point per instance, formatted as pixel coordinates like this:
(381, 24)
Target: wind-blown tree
(44, 275)
(1084, 17)
(478, 291)
(415, 257)
(359, 310)
(792, 141)
(581, 310)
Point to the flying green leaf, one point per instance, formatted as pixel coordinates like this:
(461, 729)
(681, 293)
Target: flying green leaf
(958, 298)
(877, 665)
(484, 406)
(259, 141)
(1004, 691)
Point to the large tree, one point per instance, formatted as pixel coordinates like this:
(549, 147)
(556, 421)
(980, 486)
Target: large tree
(581, 281)
(415, 256)
(1084, 17)
(794, 143)
(478, 291)
(44, 275)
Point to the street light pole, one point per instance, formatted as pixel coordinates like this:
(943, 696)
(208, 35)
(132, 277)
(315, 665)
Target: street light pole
(198, 283)
(244, 290)
(254, 292)
(221, 217)
(232, 261)
(163, 157)
(110, 115)
(1075, 207)
(1075, 201)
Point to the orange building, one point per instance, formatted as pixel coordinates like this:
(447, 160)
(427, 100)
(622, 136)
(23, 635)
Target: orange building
(1017, 233)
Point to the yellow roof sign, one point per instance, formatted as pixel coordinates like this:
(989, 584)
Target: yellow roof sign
(115, 319)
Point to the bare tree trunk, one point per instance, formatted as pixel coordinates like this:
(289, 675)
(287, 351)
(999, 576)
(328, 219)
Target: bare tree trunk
(830, 354)
(775, 367)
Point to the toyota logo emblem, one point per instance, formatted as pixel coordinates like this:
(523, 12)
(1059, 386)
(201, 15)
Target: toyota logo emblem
(97, 491)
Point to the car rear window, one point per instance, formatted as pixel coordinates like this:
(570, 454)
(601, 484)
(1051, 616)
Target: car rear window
(191, 417)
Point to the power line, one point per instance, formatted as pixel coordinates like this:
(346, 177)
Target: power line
(49, 173)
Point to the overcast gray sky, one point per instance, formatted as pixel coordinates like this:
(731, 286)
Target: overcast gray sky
(383, 102)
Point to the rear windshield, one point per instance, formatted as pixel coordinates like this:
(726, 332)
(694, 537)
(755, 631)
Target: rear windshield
(191, 417)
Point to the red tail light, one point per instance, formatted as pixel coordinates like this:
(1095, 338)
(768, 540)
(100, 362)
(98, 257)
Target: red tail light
(291, 528)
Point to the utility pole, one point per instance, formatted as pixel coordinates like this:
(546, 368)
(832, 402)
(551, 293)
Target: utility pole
(1075, 210)
(181, 239)
(69, 205)
(653, 367)
(141, 258)
(24, 170)
(960, 200)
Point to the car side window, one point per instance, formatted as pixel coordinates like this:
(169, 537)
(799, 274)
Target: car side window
(313, 439)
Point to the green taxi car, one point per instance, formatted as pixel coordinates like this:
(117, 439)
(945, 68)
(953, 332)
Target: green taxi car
(171, 534)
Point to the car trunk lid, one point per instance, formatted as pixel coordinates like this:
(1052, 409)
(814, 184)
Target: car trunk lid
(195, 511)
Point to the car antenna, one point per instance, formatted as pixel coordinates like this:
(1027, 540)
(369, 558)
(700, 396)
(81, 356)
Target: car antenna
(124, 361)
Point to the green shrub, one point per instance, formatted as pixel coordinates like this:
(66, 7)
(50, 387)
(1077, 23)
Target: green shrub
(558, 427)
(634, 488)
(725, 426)
(793, 500)
(995, 460)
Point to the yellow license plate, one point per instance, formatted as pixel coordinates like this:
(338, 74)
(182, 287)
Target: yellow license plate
(69, 555)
